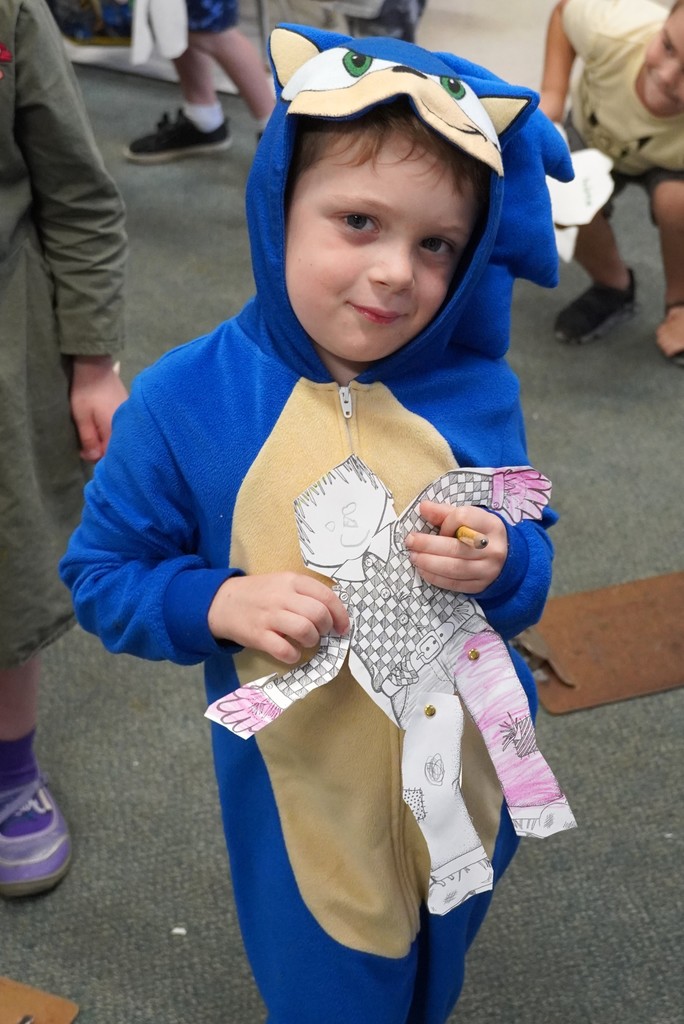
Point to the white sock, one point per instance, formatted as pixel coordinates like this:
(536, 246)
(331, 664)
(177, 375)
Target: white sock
(205, 117)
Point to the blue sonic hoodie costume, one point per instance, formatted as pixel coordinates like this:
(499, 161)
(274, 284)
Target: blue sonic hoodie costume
(328, 865)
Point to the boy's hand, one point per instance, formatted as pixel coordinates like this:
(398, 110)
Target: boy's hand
(446, 562)
(278, 613)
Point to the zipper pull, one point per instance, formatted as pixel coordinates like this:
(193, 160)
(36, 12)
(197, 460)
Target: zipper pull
(346, 403)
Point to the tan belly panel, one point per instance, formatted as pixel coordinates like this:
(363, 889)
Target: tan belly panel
(334, 758)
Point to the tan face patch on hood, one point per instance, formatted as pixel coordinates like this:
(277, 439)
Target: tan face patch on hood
(342, 82)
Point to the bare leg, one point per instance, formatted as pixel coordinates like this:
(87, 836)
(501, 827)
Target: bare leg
(668, 210)
(597, 253)
(610, 299)
(240, 60)
(194, 70)
(19, 700)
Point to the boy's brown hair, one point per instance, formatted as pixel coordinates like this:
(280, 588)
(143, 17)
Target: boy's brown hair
(366, 135)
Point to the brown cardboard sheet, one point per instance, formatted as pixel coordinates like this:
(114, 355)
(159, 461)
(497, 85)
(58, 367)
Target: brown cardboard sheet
(608, 645)
(18, 1001)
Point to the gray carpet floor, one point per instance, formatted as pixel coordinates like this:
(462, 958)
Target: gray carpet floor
(587, 927)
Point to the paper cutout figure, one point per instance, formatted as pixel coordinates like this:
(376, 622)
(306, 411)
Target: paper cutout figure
(410, 646)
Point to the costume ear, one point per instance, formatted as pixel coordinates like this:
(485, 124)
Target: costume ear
(503, 110)
(289, 50)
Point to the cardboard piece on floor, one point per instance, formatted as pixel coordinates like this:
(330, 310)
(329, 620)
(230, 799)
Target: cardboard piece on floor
(608, 645)
(17, 1001)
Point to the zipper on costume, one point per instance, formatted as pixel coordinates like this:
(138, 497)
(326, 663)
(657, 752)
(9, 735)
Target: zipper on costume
(347, 406)
(346, 402)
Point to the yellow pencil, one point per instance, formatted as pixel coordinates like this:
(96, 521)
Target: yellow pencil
(471, 537)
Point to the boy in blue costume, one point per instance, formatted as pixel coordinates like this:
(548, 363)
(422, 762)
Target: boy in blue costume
(384, 253)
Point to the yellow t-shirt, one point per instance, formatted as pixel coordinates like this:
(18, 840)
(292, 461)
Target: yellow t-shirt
(610, 37)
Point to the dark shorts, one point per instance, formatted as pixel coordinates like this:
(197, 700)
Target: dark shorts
(212, 15)
(649, 180)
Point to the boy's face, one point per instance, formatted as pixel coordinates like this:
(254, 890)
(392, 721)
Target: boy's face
(371, 250)
(661, 80)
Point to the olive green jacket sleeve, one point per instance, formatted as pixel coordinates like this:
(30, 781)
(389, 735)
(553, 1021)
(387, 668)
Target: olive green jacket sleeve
(57, 196)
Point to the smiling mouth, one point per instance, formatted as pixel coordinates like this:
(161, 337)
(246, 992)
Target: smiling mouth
(376, 316)
(354, 543)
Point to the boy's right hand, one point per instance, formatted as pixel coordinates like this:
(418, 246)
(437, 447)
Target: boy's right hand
(278, 613)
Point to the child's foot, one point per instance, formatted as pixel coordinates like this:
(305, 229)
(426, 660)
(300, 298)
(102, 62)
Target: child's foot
(175, 140)
(35, 849)
(670, 334)
(595, 312)
(542, 821)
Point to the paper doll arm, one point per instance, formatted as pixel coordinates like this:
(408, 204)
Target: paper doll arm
(519, 492)
(516, 492)
(520, 495)
(252, 707)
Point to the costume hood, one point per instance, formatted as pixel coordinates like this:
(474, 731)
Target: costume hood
(331, 76)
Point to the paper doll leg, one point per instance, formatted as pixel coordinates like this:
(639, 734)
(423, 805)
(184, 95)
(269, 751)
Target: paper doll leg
(252, 707)
(431, 769)
(487, 681)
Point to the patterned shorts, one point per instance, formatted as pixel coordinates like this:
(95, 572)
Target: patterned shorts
(212, 15)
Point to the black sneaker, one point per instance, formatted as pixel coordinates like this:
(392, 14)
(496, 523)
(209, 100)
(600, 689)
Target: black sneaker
(595, 312)
(174, 140)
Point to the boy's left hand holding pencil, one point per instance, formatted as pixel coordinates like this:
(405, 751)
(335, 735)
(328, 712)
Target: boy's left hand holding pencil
(467, 563)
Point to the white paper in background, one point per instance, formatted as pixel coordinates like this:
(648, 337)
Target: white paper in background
(410, 643)
(576, 202)
(159, 23)
(566, 240)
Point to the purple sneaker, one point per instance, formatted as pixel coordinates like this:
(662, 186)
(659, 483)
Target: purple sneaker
(35, 849)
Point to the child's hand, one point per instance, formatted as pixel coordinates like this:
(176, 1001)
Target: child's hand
(96, 393)
(446, 562)
(279, 613)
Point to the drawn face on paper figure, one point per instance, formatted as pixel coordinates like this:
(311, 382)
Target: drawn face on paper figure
(338, 519)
